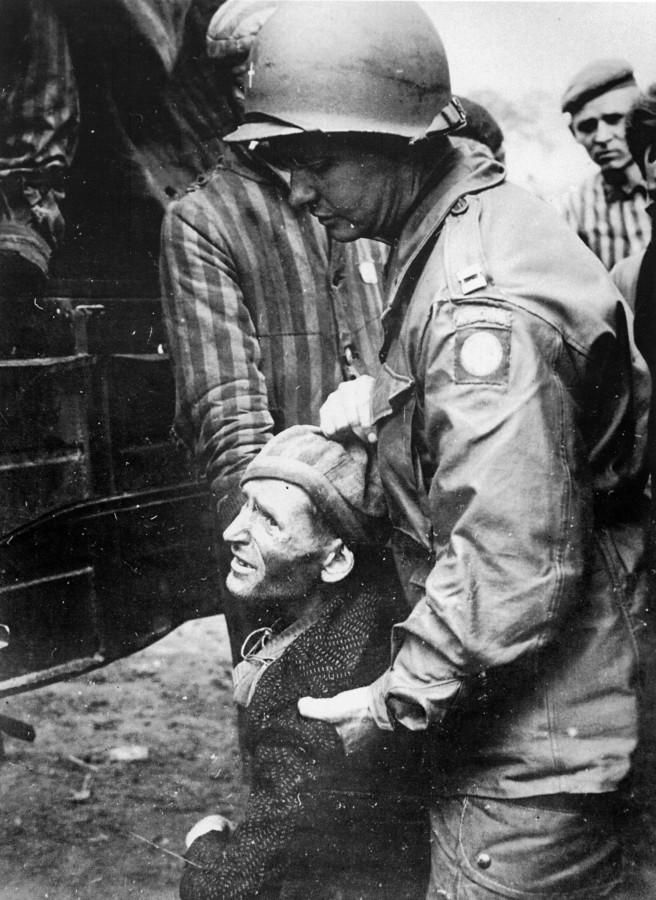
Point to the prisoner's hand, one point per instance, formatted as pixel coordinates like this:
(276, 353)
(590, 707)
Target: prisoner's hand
(209, 823)
(351, 715)
(349, 409)
(202, 877)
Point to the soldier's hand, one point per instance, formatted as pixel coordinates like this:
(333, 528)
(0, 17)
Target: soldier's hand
(349, 712)
(348, 408)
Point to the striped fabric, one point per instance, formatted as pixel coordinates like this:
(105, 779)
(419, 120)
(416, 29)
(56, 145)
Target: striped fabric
(613, 225)
(264, 315)
(39, 112)
(39, 120)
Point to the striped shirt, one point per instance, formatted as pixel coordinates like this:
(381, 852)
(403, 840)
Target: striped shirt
(265, 315)
(611, 220)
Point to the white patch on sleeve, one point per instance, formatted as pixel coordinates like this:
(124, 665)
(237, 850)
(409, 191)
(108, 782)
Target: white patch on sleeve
(481, 354)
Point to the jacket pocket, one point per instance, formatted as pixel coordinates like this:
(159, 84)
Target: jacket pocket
(525, 849)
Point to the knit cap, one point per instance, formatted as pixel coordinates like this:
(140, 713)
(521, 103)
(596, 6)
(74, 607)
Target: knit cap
(595, 79)
(234, 27)
(341, 479)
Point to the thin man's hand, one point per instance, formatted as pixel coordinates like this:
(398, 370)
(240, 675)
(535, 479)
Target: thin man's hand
(209, 823)
(349, 712)
(348, 408)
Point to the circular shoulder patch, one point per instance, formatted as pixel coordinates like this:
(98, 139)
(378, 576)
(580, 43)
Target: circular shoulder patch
(481, 354)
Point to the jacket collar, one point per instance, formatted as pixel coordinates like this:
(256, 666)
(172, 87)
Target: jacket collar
(253, 167)
(458, 174)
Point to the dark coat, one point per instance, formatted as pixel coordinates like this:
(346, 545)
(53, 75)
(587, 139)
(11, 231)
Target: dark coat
(312, 810)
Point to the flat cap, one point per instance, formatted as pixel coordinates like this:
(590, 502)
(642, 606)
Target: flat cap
(340, 478)
(595, 79)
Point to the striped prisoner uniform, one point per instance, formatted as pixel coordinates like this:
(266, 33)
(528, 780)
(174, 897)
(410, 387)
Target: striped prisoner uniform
(611, 219)
(39, 120)
(265, 315)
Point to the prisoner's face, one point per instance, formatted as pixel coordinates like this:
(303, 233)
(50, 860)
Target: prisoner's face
(599, 127)
(277, 546)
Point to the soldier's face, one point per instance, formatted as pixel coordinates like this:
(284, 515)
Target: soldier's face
(599, 127)
(277, 550)
(353, 193)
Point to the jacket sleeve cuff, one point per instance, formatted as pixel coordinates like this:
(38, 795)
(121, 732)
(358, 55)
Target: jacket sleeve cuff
(377, 704)
(415, 705)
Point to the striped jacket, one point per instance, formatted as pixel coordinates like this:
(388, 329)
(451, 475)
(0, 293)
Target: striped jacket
(39, 103)
(612, 221)
(264, 314)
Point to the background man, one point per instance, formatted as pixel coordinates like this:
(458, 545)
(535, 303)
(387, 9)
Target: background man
(265, 314)
(481, 126)
(313, 820)
(607, 210)
(641, 140)
(636, 275)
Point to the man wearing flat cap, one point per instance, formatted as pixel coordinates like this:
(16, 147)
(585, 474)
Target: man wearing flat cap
(608, 210)
(316, 823)
(265, 313)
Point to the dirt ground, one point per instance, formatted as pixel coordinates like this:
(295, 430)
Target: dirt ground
(173, 698)
(70, 814)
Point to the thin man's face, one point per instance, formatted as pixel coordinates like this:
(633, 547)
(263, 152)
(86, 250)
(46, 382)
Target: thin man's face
(276, 550)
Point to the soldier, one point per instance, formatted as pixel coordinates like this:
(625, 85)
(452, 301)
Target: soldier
(510, 423)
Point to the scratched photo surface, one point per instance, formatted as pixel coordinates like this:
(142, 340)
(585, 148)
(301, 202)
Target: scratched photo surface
(116, 713)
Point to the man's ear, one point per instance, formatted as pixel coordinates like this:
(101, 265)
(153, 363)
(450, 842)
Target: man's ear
(338, 563)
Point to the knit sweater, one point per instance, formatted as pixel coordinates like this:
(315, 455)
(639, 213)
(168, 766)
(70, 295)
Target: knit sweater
(310, 808)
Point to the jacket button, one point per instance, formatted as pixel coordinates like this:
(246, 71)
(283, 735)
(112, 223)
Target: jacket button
(483, 861)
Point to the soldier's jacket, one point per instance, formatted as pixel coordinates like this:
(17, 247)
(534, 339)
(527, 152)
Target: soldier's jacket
(512, 421)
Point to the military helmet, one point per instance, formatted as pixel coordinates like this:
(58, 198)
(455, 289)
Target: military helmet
(348, 67)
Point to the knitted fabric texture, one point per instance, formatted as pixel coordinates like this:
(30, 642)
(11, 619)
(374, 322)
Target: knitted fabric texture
(310, 808)
(341, 479)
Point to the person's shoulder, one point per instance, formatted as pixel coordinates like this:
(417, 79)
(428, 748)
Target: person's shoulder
(197, 199)
(625, 274)
(510, 207)
(536, 261)
(229, 184)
